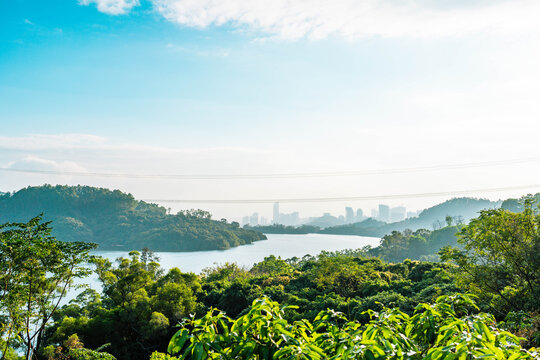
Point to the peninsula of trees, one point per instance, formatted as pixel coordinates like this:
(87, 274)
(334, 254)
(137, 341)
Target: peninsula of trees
(116, 221)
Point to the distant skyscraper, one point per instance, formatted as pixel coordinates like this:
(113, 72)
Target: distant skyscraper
(276, 213)
(291, 219)
(254, 219)
(384, 213)
(359, 214)
(349, 214)
(245, 220)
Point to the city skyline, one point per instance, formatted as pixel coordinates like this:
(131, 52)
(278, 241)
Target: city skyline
(395, 214)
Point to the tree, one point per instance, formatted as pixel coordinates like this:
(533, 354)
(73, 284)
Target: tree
(444, 330)
(500, 257)
(36, 272)
(138, 309)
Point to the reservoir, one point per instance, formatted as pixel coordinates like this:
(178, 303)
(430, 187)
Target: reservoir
(283, 245)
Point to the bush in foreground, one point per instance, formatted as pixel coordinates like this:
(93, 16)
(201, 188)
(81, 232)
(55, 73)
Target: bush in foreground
(449, 329)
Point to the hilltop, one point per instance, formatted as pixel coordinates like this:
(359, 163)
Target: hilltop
(116, 221)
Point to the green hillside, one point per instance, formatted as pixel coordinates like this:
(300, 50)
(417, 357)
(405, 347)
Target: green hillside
(116, 221)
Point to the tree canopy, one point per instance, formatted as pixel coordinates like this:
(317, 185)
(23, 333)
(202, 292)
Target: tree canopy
(36, 271)
(500, 257)
(116, 221)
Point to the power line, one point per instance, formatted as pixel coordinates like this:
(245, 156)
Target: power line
(340, 199)
(277, 175)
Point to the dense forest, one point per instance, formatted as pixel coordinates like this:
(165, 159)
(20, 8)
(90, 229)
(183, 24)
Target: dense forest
(116, 221)
(481, 300)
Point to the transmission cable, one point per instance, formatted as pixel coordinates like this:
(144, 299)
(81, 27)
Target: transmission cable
(341, 199)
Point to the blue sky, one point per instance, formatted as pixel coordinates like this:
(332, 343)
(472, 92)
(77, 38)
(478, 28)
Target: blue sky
(236, 86)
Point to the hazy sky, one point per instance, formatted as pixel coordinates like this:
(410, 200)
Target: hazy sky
(258, 87)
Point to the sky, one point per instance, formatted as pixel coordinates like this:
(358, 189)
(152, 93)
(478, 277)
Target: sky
(272, 87)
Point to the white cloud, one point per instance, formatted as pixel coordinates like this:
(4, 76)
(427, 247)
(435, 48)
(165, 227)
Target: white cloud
(316, 19)
(112, 7)
(87, 142)
(36, 163)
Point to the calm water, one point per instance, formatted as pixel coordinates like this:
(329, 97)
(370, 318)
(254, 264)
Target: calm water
(286, 246)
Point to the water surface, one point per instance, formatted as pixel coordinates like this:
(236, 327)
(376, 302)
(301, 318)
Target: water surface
(285, 246)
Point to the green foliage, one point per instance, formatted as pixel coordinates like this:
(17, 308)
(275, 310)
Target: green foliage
(445, 330)
(272, 266)
(421, 244)
(36, 271)
(524, 324)
(227, 271)
(137, 311)
(499, 260)
(73, 350)
(116, 221)
(347, 281)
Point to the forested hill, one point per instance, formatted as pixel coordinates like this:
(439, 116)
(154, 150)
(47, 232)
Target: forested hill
(116, 221)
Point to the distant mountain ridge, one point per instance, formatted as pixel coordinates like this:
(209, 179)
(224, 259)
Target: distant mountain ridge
(116, 221)
(461, 210)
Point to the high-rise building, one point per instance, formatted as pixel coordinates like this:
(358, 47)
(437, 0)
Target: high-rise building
(384, 213)
(292, 219)
(359, 214)
(254, 219)
(275, 220)
(349, 214)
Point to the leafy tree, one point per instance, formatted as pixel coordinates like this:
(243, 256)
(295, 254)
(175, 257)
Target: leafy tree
(421, 244)
(272, 266)
(445, 330)
(73, 349)
(347, 281)
(138, 309)
(500, 258)
(36, 271)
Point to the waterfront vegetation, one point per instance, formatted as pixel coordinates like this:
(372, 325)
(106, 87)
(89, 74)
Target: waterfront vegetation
(479, 301)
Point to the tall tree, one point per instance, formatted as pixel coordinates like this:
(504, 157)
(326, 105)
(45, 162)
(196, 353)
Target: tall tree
(36, 272)
(500, 257)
